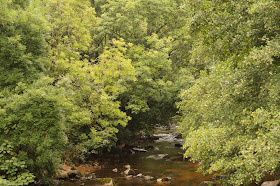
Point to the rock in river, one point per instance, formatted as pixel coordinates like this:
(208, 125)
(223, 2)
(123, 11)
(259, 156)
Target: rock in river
(74, 174)
(271, 183)
(139, 149)
(165, 179)
(103, 182)
(128, 171)
(140, 175)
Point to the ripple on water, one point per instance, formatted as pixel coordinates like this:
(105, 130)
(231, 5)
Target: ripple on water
(157, 156)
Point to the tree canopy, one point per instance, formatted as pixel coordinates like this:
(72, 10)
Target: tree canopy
(79, 76)
(231, 113)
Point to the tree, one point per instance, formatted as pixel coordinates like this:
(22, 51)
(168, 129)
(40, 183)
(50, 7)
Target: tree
(91, 85)
(149, 26)
(55, 100)
(31, 127)
(23, 47)
(150, 99)
(231, 113)
(134, 20)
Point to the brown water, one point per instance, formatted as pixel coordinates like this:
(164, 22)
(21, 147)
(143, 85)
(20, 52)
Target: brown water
(164, 160)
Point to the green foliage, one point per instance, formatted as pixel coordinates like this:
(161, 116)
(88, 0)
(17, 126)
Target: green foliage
(150, 99)
(70, 81)
(109, 77)
(231, 114)
(76, 73)
(71, 22)
(134, 20)
(32, 125)
(151, 27)
(33, 122)
(13, 170)
(22, 44)
(91, 86)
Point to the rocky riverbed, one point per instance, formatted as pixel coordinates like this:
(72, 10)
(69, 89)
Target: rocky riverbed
(153, 162)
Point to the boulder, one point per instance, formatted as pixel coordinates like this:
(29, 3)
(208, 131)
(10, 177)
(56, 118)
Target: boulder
(129, 172)
(208, 183)
(140, 175)
(165, 179)
(159, 180)
(74, 174)
(136, 149)
(89, 177)
(127, 166)
(271, 183)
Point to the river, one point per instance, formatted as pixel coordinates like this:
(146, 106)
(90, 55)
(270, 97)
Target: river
(163, 159)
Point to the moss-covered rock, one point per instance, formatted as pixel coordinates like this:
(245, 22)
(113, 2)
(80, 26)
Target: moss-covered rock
(103, 181)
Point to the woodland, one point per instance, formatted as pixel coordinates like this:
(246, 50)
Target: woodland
(78, 77)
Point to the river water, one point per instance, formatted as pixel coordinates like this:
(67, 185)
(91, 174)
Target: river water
(163, 159)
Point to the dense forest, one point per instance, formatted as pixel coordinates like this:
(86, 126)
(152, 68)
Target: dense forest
(79, 76)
